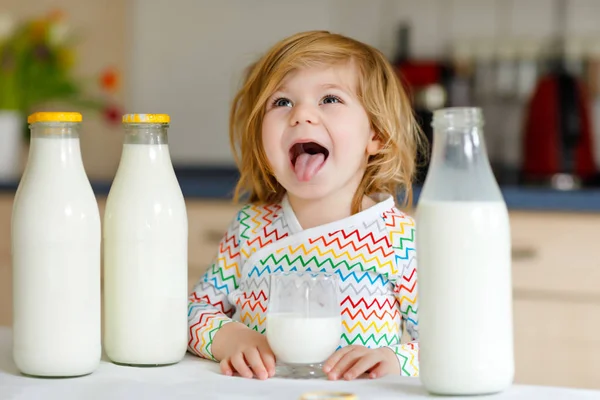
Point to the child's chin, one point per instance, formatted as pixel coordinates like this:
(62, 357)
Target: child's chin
(312, 190)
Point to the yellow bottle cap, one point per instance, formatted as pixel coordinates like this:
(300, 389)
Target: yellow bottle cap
(146, 119)
(328, 396)
(54, 117)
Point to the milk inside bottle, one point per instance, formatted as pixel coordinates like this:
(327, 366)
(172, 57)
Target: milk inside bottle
(55, 243)
(463, 245)
(145, 251)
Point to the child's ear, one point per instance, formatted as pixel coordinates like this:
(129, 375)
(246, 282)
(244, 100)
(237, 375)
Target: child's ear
(375, 144)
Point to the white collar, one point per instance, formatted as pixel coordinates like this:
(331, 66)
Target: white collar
(384, 203)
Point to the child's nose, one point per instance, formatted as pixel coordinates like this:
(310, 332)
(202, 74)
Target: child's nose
(304, 114)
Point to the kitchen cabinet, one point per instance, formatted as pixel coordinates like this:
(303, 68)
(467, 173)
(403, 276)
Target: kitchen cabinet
(556, 275)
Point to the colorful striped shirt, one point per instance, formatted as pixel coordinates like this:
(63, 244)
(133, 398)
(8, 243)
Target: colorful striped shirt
(372, 252)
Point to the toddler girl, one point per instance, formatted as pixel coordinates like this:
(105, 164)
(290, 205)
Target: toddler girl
(324, 138)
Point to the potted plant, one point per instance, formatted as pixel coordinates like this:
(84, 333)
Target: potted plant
(36, 70)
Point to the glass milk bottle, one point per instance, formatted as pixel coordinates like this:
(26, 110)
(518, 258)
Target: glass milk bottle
(145, 251)
(463, 244)
(55, 239)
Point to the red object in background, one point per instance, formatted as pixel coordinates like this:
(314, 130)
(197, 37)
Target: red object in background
(109, 80)
(420, 73)
(547, 151)
(113, 115)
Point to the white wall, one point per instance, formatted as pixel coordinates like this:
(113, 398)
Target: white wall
(188, 55)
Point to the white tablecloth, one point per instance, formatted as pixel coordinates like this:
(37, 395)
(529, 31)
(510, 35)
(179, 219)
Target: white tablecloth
(198, 379)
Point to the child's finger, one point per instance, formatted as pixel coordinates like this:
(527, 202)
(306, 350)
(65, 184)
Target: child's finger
(378, 371)
(254, 361)
(239, 363)
(362, 365)
(226, 367)
(268, 360)
(344, 364)
(335, 357)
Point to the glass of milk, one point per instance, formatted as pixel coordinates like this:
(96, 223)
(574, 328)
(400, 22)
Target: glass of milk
(304, 322)
(463, 249)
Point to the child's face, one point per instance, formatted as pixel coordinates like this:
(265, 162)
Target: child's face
(316, 133)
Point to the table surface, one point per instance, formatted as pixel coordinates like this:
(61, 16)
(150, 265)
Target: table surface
(195, 378)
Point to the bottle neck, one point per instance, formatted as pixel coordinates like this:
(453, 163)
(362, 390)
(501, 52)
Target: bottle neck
(459, 147)
(55, 130)
(145, 148)
(54, 146)
(150, 134)
(459, 169)
(458, 138)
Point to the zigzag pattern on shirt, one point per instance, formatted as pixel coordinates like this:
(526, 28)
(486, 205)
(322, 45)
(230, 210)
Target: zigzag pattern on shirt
(379, 303)
(280, 224)
(364, 327)
(261, 241)
(201, 333)
(243, 219)
(368, 259)
(346, 279)
(362, 242)
(408, 283)
(349, 288)
(377, 225)
(267, 230)
(206, 291)
(253, 284)
(203, 301)
(229, 245)
(371, 340)
(374, 261)
(253, 217)
(253, 301)
(408, 354)
(402, 233)
(322, 261)
(219, 278)
(254, 320)
(406, 290)
(381, 315)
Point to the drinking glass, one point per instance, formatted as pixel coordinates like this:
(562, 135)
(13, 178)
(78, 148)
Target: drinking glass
(304, 322)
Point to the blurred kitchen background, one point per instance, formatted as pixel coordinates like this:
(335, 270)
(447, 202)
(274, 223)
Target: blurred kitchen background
(514, 59)
(532, 65)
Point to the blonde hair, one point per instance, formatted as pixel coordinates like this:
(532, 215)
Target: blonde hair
(379, 90)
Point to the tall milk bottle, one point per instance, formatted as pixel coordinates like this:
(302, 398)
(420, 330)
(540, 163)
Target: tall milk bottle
(145, 251)
(463, 244)
(55, 240)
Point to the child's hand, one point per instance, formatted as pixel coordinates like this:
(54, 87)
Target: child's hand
(244, 350)
(352, 361)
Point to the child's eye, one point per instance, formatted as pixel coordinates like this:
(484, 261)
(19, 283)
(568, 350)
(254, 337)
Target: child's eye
(282, 102)
(331, 99)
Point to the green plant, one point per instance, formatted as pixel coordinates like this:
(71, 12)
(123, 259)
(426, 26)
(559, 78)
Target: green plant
(36, 68)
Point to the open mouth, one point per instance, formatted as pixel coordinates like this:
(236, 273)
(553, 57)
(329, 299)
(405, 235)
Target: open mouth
(310, 148)
(307, 159)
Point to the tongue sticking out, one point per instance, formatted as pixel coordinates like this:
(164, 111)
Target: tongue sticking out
(307, 165)
(307, 159)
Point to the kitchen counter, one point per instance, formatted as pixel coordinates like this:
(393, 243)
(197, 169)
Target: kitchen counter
(219, 183)
(197, 378)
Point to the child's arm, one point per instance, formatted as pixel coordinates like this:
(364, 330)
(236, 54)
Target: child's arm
(209, 308)
(402, 236)
(406, 292)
